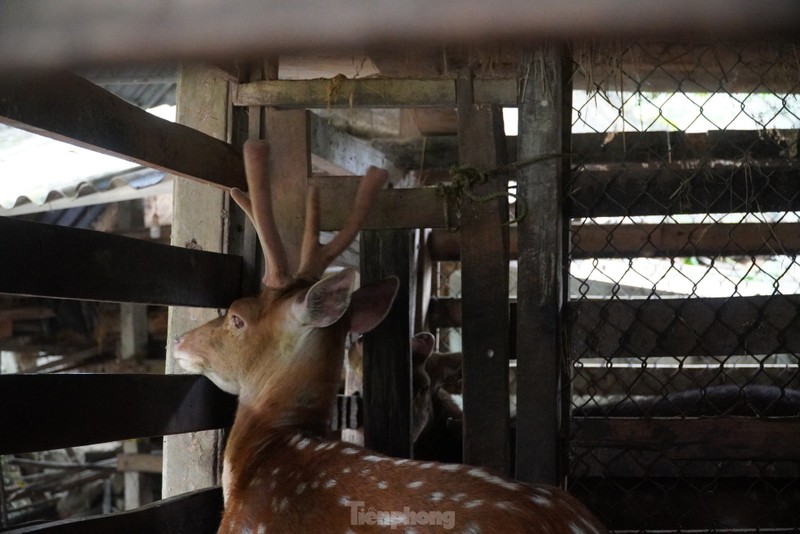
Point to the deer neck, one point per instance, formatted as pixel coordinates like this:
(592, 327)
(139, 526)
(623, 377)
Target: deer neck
(295, 398)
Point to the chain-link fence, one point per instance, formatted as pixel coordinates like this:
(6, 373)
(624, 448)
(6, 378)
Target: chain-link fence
(684, 289)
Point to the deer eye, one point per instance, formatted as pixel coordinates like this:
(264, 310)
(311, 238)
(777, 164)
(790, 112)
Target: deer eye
(237, 321)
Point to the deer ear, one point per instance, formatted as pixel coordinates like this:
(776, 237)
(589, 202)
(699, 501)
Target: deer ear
(421, 347)
(371, 304)
(327, 300)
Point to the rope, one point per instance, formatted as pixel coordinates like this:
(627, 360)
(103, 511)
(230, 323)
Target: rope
(464, 178)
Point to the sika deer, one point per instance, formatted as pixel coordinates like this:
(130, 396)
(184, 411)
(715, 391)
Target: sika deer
(281, 353)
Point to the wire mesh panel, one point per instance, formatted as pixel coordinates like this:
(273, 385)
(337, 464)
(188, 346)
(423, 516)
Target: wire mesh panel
(684, 293)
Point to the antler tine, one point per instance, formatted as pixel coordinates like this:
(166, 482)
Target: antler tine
(315, 257)
(258, 206)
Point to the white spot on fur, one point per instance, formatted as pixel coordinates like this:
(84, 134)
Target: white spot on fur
(401, 461)
(473, 504)
(383, 484)
(426, 465)
(365, 472)
(415, 484)
(437, 496)
(295, 439)
(344, 500)
(330, 483)
(303, 444)
(505, 505)
(472, 528)
(346, 470)
(320, 446)
(300, 488)
(450, 467)
(262, 529)
(284, 503)
(541, 501)
(458, 497)
(373, 458)
(315, 484)
(275, 471)
(575, 529)
(350, 451)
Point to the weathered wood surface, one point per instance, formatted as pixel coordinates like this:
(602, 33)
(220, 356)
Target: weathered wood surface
(82, 409)
(54, 261)
(387, 349)
(642, 328)
(684, 327)
(543, 110)
(201, 219)
(718, 438)
(740, 505)
(484, 272)
(197, 512)
(370, 93)
(670, 190)
(36, 34)
(653, 240)
(682, 240)
(68, 108)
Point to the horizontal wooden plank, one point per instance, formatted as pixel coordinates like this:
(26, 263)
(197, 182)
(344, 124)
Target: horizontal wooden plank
(89, 408)
(370, 93)
(593, 382)
(682, 240)
(670, 190)
(718, 438)
(69, 108)
(197, 512)
(643, 328)
(140, 462)
(663, 147)
(692, 504)
(654, 240)
(54, 261)
(34, 33)
(419, 207)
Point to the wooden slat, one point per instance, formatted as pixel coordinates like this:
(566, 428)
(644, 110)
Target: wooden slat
(38, 34)
(719, 438)
(387, 349)
(140, 462)
(84, 408)
(682, 240)
(684, 327)
(692, 505)
(418, 207)
(654, 240)
(54, 261)
(370, 93)
(720, 189)
(484, 272)
(197, 512)
(68, 108)
(544, 113)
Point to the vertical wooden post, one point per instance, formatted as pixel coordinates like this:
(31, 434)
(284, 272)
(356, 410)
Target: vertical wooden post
(387, 349)
(193, 461)
(484, 286)
(542, 112)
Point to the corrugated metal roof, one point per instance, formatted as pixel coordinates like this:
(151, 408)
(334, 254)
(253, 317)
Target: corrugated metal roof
(40, 174)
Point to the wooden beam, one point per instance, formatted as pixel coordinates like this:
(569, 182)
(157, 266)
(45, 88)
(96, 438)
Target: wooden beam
(369, 93)
(544, 116)
(684, 327)
(729, 438)
(654, 240)
(484, 272)
(691, 504)
(140, 462)
(201, 218)
(417, 207)
(36, 34)
(670, 190)
(387, 349)
(55, 261)
(199, 512)
(68, 108)
(88, 408)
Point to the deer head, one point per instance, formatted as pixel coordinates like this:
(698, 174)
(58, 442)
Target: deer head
(296, 326)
